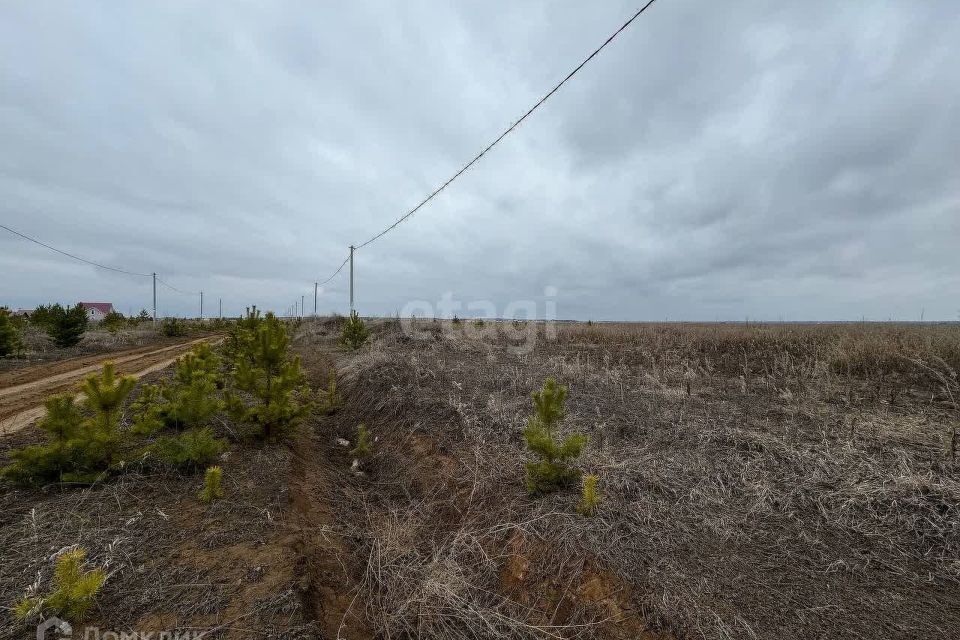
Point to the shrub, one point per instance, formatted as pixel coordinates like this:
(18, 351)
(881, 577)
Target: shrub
(81, 449)
(143, 316)
(10, 340)
(364, 445)
(191, 449)
(268, 375)
(552, 471)
(212, 485)
(354, 333)
(173, 327)
(591, 497)
(65, 325)
(74, 590)
(113, 321)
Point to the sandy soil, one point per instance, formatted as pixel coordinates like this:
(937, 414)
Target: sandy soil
(22, 392)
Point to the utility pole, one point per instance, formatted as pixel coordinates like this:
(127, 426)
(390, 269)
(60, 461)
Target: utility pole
(201, 305)
(301, 306)
(154, 298)
(221, 308)
(314, 299)
(351, 279)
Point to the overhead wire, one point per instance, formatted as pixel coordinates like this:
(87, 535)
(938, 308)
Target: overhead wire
(92, 263)
(510, 128)
(75, 257)
(173, 288)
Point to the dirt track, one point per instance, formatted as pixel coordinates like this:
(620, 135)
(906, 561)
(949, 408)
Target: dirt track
(23, 391)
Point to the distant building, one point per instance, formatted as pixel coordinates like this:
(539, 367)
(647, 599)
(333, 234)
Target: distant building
(23, 313)
(97, 310)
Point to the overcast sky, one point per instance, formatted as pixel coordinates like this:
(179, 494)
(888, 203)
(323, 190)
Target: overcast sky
(717, 161)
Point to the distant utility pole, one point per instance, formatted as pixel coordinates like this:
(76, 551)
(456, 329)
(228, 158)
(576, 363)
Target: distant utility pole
(314, 298)
(221, 307)
(201, 305)
(351, 279)
(154, 298)
(301, 306)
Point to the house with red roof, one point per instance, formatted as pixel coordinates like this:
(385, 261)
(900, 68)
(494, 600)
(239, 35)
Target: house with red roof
(97, 310)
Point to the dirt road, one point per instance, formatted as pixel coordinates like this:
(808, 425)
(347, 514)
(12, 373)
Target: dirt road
(23, 391)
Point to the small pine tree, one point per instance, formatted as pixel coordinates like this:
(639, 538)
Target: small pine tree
(354, 333)
(74, 590)
(192, 449)
(173, 327)
(42, 316)
(331, 397)
(10, 339)
(49, 462)
(113, 321)
(553, 470)
(81, 449)
(364, 445)
(268, 375)
(65, 325)
(591, 497)
(192, 399)
(143, 316)
(212, 485)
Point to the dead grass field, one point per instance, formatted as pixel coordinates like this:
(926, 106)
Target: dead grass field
(770, 481)
(779, 481)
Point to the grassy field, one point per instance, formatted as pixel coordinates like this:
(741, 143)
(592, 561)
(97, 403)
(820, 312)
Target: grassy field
(762, 481)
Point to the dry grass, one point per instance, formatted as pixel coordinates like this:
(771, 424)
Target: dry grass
(754, 485)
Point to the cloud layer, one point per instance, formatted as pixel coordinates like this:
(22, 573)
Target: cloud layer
(714, 162)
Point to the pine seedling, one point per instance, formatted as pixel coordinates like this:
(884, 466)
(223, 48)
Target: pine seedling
(148, 410)
(106, 393)
(74, 590)
(591, 497)
(64, 427)
(275, 381)
(331, 398)
(364, 446)
(192, 449)
(553, 470)
(354, 333)
(212, 485)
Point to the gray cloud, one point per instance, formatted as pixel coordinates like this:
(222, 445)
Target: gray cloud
(758, 160)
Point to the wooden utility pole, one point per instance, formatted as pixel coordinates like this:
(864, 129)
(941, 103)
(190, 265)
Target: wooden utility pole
(351, 279)
(314, 298)
(154, 298)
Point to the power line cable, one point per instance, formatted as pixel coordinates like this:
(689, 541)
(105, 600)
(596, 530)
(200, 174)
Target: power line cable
(173, 288)
(70, 255)
(339, 269)
(510, 128)
(95, 264)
